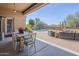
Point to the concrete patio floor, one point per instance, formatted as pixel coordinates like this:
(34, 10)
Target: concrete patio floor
(69, 44)
(40, 49)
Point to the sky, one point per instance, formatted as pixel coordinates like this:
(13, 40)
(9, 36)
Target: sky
(54, 13)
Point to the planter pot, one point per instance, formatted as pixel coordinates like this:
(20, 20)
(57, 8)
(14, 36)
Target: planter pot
(51, 33)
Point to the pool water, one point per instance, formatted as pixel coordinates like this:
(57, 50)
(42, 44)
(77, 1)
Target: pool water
(41, 30)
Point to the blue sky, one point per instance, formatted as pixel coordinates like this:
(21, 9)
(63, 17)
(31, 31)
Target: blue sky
(54, 13)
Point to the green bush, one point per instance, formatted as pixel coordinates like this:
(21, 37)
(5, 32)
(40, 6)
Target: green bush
(28, 28)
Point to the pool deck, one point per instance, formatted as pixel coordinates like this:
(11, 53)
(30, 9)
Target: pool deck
(69, 44)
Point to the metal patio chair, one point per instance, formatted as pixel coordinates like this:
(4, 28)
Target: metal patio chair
(14, 40)
(30, 39)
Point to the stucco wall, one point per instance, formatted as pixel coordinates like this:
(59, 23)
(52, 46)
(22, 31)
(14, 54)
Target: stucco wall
(19, 19)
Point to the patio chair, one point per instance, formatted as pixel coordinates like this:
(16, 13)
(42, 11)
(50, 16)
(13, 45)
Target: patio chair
(14, 40)
(18, 43)
(30, 39)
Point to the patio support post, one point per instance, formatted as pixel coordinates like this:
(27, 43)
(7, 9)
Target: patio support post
(3, 27)
(2, 35)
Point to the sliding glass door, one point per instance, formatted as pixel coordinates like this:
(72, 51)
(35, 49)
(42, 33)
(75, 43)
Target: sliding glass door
(9, 25)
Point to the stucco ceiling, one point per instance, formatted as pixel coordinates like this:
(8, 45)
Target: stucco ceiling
(9, 9)
(15, 6)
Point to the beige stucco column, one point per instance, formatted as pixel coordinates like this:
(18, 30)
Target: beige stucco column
(3, 27)
(19, 21)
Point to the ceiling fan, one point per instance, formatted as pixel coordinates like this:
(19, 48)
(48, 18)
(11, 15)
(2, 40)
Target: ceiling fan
(16, 10)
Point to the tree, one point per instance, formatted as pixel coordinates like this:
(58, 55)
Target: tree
(37, 20)
(39, 24)
(32, 22)
(72, 20)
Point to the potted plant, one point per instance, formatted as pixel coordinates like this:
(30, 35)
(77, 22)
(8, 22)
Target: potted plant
(21, 31)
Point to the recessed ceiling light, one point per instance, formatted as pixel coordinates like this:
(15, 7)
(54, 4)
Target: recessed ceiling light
(14, 11)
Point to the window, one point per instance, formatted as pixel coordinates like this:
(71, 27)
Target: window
(9, 25)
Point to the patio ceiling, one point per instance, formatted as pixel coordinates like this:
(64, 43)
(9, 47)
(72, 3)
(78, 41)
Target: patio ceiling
(20, 8)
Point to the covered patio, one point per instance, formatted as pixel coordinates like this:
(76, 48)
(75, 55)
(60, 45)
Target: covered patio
(13, 16)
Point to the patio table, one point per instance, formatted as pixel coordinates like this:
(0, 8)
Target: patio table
(20, 40)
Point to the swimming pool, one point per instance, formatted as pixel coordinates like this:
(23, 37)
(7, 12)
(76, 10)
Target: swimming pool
(41, 30)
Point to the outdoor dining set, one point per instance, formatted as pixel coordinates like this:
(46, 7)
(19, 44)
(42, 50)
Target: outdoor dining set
(20, 40)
